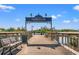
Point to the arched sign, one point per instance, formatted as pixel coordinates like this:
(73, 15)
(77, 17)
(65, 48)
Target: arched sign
(38, 18)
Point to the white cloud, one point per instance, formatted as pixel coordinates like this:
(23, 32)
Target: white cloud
(76, 7)
(66, 21)
(54, 17)
(5, 7)
(75, 20)
(17, 19)
(59, 15)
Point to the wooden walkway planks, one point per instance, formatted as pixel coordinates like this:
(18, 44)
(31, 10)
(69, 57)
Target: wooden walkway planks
(44, 47)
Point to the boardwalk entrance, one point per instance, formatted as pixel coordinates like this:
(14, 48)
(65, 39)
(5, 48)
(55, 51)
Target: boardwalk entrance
(46, 44)
(43, 45)
(38, 19)
(40, 45)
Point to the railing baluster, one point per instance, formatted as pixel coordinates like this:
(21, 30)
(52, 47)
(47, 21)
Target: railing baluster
(78, 41)
(62, 39)
(65, 39)
(68, 40)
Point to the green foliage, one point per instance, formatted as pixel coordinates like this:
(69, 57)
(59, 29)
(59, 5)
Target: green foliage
(11, 29)
(43, 30)
(67, 30)
(2, 29)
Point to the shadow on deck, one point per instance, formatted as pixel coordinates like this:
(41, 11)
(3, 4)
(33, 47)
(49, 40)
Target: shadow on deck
(46, 45)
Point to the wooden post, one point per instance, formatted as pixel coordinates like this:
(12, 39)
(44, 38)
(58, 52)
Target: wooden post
(17, 36)
(51, 29)
(65, 39)
(58, 39)
(26, 31)
(62, 38)
(78, 41)
(25, 25)
(69, 40)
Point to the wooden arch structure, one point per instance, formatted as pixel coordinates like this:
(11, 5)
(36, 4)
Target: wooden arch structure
(38, 18)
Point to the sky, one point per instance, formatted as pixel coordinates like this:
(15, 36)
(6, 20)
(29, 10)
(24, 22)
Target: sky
(64, 16)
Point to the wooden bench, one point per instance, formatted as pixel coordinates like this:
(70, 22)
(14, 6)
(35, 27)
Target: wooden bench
(8, 44)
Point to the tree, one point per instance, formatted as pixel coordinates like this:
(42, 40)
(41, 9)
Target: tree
(2, 29)
(23, 29)
(18, 29)
(11, 29)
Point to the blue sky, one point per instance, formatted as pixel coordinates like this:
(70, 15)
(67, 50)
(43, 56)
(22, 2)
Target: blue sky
(64, 16)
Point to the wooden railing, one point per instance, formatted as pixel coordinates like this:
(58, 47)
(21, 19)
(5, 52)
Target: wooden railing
(66, 38)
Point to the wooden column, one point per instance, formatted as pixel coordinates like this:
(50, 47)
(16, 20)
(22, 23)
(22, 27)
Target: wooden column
(72, 41)
(65, 39)
(17, 37)
(78, 40)
(69, 40)
(26, 34)
(62, 38)
(51, 29)
(58, 39)
(25, 25)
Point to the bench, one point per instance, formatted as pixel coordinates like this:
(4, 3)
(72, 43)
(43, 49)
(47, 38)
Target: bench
(8, 44)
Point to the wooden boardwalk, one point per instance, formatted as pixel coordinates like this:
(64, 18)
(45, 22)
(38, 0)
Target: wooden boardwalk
(40, 45)
(39, 39)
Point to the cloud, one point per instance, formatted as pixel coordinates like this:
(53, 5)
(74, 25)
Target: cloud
(75, 20)
(76, 7)
(59, 15)
(6, 8)
(17, 20)
(66, 21)
(56, 16)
